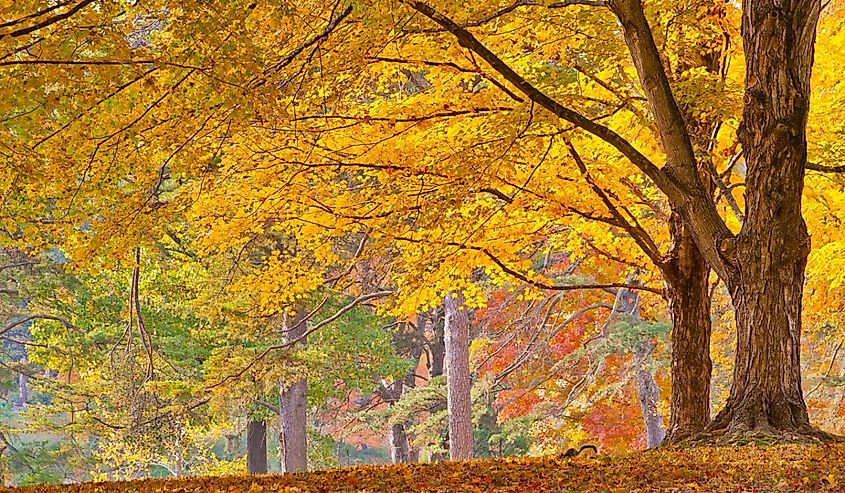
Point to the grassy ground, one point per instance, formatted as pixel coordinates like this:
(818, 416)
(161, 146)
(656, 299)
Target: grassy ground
(746, 469)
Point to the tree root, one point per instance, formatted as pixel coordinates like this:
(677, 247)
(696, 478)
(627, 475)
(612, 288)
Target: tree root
(759, 437)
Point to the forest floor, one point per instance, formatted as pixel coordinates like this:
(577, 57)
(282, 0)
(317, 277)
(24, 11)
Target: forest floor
(723, 469)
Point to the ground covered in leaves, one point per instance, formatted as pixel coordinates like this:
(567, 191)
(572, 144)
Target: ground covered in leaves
(746, 469)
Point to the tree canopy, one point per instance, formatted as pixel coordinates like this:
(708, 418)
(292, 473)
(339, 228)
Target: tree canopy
(605, 217)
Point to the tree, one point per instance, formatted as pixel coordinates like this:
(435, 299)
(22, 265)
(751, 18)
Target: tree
(763, 265)
(323, 137)
(293, 405)
(256, 447)
(458, 380)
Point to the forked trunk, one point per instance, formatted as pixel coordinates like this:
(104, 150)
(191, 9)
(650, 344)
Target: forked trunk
(686, 271)
(770, 253)
(293, 444)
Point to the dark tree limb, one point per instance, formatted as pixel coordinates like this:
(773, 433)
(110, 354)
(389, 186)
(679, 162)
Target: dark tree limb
(825, 169)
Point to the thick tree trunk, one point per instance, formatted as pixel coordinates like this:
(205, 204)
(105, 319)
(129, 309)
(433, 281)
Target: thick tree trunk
(293, 444)
(770, 253)
(686, 271)
(256, 447)
(458, 402)
(686, 276)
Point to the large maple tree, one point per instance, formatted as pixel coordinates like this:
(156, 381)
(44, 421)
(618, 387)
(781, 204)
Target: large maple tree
(455, 137)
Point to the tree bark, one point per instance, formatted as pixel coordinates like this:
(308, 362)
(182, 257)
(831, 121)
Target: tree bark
(685, 271)
(399, 450)
(23, 386)
(647, 390)
(689, 303)
(293, 405)
(397, 438)
(436, 363)
(763, 266)
(256, 447)
(770, 253)
(437, 346)
(458, 401)
(649, 395)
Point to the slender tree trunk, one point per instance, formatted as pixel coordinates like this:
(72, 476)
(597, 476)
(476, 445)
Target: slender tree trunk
(437, 346)
(649, 396)
(411, 382)
(293, 444)
(436, 365)
(179, 466)
(458, 402)
(23, 388)
(770, 253)
(256, 447)
(410, 343)
(489, 422)
(647, 390)
(399, 451)
(397, 439)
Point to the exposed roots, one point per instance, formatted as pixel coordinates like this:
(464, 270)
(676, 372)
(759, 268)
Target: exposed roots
(759, 436)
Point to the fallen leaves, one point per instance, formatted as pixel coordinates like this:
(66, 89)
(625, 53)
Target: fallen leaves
(728, 469)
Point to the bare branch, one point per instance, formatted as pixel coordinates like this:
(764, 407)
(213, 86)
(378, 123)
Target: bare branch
(29, 318)
(357, 301)
(46, 22)
(825, 169)
(569, 3)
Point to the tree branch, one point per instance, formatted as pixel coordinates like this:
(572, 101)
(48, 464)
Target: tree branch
(453, 65)
(338, 314)
(469, 41)
(24, 320)
(825, 169)
(568, 3)
(287, 59)
(51, 20)
(539, 284)
(637, 233)
(689, 194)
